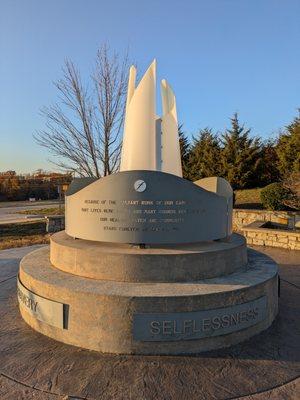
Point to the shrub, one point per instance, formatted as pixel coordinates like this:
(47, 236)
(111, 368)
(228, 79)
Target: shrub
(292, 183)
(273, 196)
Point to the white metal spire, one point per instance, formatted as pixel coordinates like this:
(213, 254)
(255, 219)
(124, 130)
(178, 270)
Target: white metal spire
(150, 142)
(170, 152)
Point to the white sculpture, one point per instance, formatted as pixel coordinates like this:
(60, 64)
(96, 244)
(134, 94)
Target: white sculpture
(150, 142)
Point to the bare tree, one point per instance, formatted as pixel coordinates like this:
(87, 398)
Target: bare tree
(83, 128)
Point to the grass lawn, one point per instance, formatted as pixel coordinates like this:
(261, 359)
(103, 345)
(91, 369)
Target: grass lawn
(248, 198)
(22, 234)
(43, 211)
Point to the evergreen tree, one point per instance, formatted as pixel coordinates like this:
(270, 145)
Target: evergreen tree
(185, 151)
(241, 156)
(288, 149)
(268, 171)
(204, 159)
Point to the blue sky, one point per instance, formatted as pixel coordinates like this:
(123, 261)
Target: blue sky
(220, 56)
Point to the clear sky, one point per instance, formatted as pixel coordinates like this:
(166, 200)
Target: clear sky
(220, 56)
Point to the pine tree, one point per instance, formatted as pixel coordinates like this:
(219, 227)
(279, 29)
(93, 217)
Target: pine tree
(241, 156)
(185, 151)
(268, 171)
(288, 149)
(204, 160)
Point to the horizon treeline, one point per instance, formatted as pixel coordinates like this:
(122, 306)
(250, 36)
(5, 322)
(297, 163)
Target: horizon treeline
(15, 187)
(244, 160)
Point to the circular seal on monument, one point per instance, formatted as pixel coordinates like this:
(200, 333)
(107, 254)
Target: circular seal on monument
(140, 186)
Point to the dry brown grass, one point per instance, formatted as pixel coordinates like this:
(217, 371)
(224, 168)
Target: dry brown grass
(43, 211)
(248, 198)
(24, 234)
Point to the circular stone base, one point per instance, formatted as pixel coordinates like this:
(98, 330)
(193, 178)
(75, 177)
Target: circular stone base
(266, 366)
(152, 318)
(166, 263)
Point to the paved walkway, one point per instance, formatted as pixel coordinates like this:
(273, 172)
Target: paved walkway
(9, 212)
(267, 366)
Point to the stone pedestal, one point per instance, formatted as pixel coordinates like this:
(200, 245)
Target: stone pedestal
(177, 299)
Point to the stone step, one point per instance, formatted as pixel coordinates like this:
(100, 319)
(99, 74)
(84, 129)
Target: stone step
(150, 318)
(123, 262)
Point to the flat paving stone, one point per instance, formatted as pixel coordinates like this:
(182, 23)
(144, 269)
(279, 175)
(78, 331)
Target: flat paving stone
(267, 366)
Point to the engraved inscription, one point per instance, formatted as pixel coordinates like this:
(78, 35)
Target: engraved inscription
(46, 310)
(27, 301)
(169, 210)
(149, 214)
(198, 324)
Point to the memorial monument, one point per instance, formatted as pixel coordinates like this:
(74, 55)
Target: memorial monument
(148, 263)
